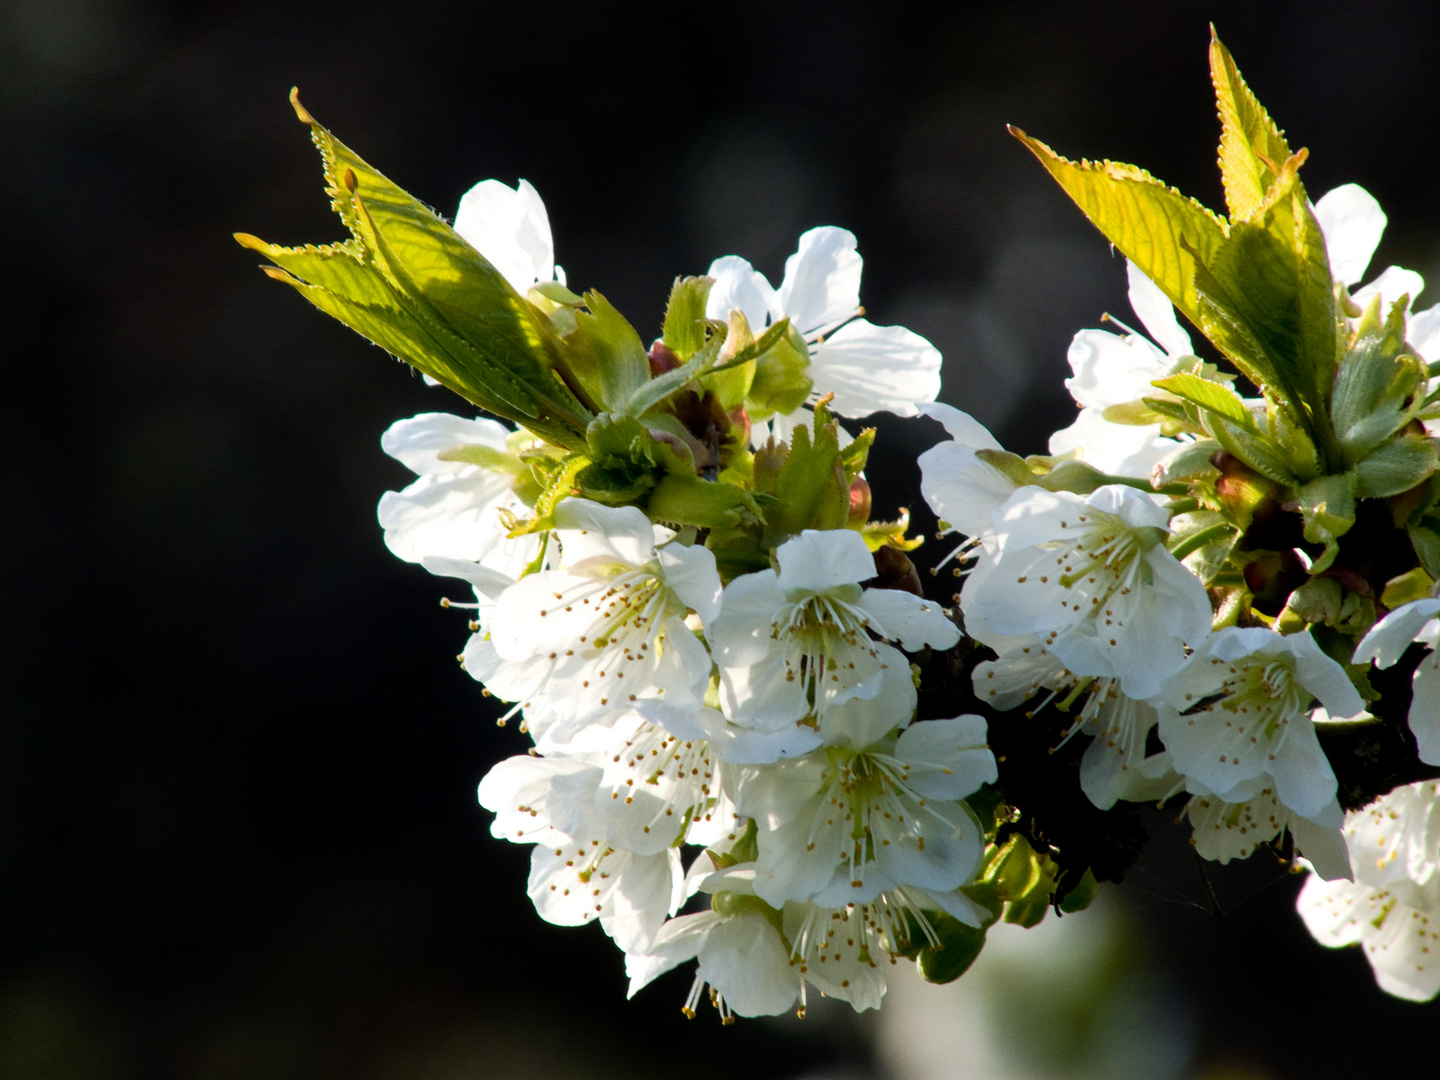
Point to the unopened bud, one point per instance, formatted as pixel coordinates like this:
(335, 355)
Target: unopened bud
(894, 570)
(662, 359)
(859, 501)
(740, 419)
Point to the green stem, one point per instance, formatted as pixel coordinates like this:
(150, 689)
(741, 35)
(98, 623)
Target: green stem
(1195, 541)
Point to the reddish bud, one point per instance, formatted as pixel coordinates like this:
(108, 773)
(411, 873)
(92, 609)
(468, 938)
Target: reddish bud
(662, 359)
(859, 501)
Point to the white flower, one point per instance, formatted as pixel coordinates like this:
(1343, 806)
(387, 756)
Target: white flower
(732, 743)
(510, 227)
(1397, 837)
(1392, 909)
(1225, 831)
(455, 510)
(605, 629)
(840, 827)
(798, 642)
(1385, 643)
(1353, 222)
(1091, 576)
(1114, 369)
(963, 489)
(868, 368)
(1237, 718)
(660, 787)
(576, 874)
(743, 961)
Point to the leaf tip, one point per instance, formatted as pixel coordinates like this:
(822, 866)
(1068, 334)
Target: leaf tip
(300, 110)
(246, 240)
(350, 182)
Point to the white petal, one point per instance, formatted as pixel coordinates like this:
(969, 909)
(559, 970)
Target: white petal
(873, 368)
(1391, 636)
(511, 229)
(690, 572)
(745, 959)
(1112, 370)
(418, 441)
(1423, 332)
(1425, 709)
(589, 530)
(962, 489)
(738, 285)
(678, 940)
(961, 426)
(911, 620)
(1156, 313)
(1352, 222)
(821, 560)
(740, 635)
(947, 759)
(1392, 284)
(859, 721)
(822, 279)
(455, 515)
(1323, 845)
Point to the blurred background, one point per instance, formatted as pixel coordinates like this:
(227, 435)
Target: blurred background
(238, 830)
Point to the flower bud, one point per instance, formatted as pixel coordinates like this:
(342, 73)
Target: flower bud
(859, 501)
(894, 570)
(662, 359)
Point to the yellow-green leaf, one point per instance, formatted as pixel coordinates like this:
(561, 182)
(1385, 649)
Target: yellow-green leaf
(1252, 149)
(1211, 396)
(1161, 231)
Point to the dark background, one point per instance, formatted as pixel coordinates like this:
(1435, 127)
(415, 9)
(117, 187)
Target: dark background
(238, 833)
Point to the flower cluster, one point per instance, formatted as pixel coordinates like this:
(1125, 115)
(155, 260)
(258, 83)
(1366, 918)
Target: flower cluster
(754, 742)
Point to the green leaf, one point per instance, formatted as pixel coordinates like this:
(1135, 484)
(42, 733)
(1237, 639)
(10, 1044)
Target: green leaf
(689, 500)
(955, 949)
(1251, 147)
(1164, 233)
(1328, 508)
(408, 282)
(1413, 585)
(1426, 542)
(1267, 302)
(1255, 450)
(1187, 462)
(622, 364)
(810, 488)
(684, 330)
(1213, 397)
(1397, 466)
(1380, 386)
(781, 383)
(653, 392)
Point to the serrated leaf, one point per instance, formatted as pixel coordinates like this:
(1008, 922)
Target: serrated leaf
(1380, 386)
(408, 282)
(622, 366)
(781, 383)
(684, 329)
(1267, 302)
(1254, 449)
(1161, 231)
(810, 487)
(1396, 466)
(1188, 462)
(1251, 147)
(1213, 397)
